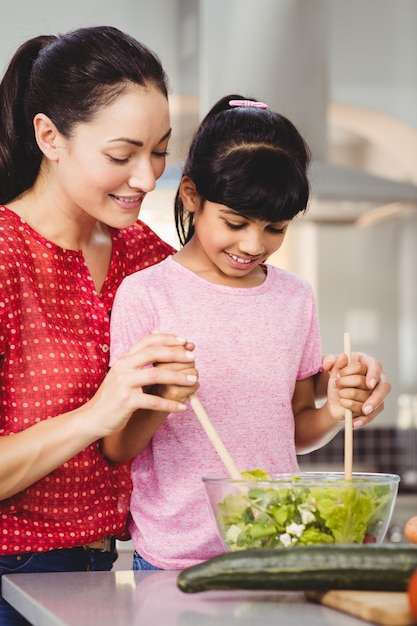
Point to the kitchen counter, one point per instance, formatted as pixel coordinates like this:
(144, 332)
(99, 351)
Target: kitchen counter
(151, 598)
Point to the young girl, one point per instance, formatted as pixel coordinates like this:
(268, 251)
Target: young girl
(254, 326)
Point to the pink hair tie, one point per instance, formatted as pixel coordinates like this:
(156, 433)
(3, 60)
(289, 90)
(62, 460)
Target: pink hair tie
(248, 103)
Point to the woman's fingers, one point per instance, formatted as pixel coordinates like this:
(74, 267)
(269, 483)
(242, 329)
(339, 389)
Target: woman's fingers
(349, 381)
(134, 382)
(158, 348)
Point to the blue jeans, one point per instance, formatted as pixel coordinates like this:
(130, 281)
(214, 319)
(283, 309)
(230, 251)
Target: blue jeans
(65, 560)
(139, 564)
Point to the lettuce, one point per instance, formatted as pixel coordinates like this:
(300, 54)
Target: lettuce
(345, 511)
(268, 517)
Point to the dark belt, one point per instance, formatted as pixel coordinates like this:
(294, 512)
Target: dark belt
(105, 544)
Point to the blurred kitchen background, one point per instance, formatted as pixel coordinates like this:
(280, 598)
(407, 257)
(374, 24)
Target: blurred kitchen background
(345, 72)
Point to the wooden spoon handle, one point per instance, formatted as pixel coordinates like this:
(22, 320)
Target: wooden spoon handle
(348, 423)
(214, 437)
(212, 434)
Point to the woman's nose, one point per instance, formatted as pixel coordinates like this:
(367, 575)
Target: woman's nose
(143, 177)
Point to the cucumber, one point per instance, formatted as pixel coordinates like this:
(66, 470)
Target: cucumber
(369, 567)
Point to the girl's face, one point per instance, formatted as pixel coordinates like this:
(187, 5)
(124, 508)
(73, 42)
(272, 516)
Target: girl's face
(110, 163)
(233, 246)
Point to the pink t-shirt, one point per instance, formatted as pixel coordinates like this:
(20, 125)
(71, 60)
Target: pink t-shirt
(252, 345)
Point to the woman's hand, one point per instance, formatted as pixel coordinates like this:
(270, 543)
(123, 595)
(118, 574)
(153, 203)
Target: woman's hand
(36, 451)
(132, 380)
(362, 385)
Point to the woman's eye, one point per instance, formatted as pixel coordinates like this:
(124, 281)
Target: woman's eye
(114, 160)
(161, 155)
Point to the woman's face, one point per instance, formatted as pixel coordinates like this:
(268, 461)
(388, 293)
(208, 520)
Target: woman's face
(110, 163)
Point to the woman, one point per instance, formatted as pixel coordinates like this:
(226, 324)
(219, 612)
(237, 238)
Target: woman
(84, 133)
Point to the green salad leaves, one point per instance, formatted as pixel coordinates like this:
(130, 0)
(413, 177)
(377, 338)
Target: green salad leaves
(261, 516)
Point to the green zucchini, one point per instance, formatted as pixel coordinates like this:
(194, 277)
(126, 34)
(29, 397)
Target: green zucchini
(371, 567)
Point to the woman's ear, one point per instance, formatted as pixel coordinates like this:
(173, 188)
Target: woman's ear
(47, 136)
(189, 195)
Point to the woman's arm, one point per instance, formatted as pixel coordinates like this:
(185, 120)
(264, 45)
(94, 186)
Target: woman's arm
(27, 456)
(376, 381)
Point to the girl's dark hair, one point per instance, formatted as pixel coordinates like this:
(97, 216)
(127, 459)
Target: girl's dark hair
(69, 78)
(252, 160)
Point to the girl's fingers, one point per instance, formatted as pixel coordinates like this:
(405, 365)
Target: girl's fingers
(152, 402)
(352, 382)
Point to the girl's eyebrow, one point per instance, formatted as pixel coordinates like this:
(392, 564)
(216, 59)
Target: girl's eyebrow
(279, 224)
(231, 212)
(138, 143)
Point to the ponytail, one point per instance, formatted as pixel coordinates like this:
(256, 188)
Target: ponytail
(20, 156)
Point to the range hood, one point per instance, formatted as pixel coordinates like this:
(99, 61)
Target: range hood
(276, 50)
(346, 195)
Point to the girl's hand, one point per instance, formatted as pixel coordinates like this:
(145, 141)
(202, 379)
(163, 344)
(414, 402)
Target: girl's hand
(377, 384)
(346, 388)
(126, 386)
(177, 392)
(174, 392)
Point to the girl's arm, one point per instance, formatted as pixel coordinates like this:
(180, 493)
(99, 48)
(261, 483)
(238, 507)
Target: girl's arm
(127, 443)
(27, 456)
(346, 389)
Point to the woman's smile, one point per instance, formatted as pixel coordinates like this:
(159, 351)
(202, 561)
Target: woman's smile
(129, 203)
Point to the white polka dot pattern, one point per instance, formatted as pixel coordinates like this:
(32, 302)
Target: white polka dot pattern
(54, 350)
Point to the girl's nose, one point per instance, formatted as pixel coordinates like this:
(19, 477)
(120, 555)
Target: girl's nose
(252, 243)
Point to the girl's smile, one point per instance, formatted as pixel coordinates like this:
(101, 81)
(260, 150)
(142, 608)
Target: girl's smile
(243, 264)
(226, 247)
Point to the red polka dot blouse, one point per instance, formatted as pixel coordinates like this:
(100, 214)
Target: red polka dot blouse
(54, 350)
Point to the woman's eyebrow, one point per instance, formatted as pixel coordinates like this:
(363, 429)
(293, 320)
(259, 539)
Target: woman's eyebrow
(138, 143)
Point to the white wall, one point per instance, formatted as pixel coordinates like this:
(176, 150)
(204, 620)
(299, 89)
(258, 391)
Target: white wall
(154, 22)
(373, 55)
(371, 272)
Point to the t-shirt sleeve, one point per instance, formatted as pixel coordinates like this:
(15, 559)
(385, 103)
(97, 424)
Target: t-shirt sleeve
(311, 360)
(129, 320)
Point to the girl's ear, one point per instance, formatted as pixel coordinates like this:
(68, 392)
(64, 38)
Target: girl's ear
(47, 136)
(189, 195)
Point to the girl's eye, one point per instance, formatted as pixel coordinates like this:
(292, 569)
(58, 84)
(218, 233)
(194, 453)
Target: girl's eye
(160, 155)
(234, 226)
(276, 231)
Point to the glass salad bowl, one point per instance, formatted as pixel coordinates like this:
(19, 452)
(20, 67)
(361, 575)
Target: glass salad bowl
(285, 510)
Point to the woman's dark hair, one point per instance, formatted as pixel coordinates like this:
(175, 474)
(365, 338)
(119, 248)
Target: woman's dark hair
(252, 160)
(69, 78)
